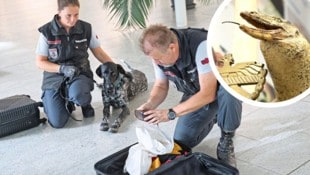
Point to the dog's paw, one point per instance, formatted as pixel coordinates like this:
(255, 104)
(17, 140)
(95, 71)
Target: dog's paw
(115, 126)
(113, 130)
(104, 126)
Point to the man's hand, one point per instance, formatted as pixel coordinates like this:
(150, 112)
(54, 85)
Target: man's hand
(68, 71)
(145, 107)
(156, 116)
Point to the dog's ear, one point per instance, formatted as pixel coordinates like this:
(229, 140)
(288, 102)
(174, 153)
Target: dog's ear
(122, 71)
(129, 75)
(98, 71)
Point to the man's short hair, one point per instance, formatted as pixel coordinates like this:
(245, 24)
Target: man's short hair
(159, 36)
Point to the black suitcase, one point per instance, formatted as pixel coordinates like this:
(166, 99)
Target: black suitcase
(195, 163)
(18, 113)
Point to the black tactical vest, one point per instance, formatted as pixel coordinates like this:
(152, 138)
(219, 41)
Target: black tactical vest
(184, 72)
(66, 48)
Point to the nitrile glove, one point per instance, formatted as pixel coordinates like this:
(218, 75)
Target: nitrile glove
(68, 71)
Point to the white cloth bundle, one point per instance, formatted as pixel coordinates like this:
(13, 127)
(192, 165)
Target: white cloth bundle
(152, 141)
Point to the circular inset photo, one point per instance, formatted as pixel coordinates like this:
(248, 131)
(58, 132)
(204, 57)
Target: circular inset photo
(258, 55)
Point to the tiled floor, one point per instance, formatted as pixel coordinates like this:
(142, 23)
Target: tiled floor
(269, 141)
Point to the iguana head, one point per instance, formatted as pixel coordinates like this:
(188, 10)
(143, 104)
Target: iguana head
(285, 50)
(268, 27)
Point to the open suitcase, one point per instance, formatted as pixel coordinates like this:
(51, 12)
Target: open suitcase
(195, 163)
(18, 113)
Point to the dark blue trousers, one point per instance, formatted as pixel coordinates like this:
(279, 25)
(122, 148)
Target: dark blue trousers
(192, 128)
(79, 92)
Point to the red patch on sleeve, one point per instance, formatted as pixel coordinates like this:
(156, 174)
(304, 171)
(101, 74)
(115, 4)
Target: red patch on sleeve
(205, 61)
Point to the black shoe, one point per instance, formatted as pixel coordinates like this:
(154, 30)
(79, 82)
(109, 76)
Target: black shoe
(88, 111)
(225, 149)
(70, 107)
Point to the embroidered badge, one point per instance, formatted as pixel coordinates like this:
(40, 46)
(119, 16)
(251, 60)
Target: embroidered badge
(54, 42)
(169, 73)
(81, 41)
(205, 61)
(192, 70)
(53, 54)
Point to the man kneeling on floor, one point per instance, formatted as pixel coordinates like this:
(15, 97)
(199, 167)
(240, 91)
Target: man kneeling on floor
(181, 57)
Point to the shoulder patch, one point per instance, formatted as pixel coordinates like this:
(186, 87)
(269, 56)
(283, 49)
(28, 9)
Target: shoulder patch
(205, 61)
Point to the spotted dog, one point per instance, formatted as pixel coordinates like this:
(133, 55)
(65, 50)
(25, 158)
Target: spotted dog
(118, 88)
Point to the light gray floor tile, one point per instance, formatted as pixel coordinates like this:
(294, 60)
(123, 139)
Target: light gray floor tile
(281, 153)
(302, 170)
(248, 168)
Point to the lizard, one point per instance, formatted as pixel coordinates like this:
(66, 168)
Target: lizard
(285, 50)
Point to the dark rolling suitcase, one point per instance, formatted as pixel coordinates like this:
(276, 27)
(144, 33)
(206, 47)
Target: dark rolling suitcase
(195, 163)
(18, 113)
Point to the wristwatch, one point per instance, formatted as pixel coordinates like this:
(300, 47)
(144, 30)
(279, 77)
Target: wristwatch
(171, 114)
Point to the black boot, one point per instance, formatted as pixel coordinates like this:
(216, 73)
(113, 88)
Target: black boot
(70, 107)
(88, 111)
(225, 149)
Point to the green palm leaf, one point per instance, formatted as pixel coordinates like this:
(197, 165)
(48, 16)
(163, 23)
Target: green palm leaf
(131, 13)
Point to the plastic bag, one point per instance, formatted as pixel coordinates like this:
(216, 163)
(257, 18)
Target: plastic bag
(152, 141)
